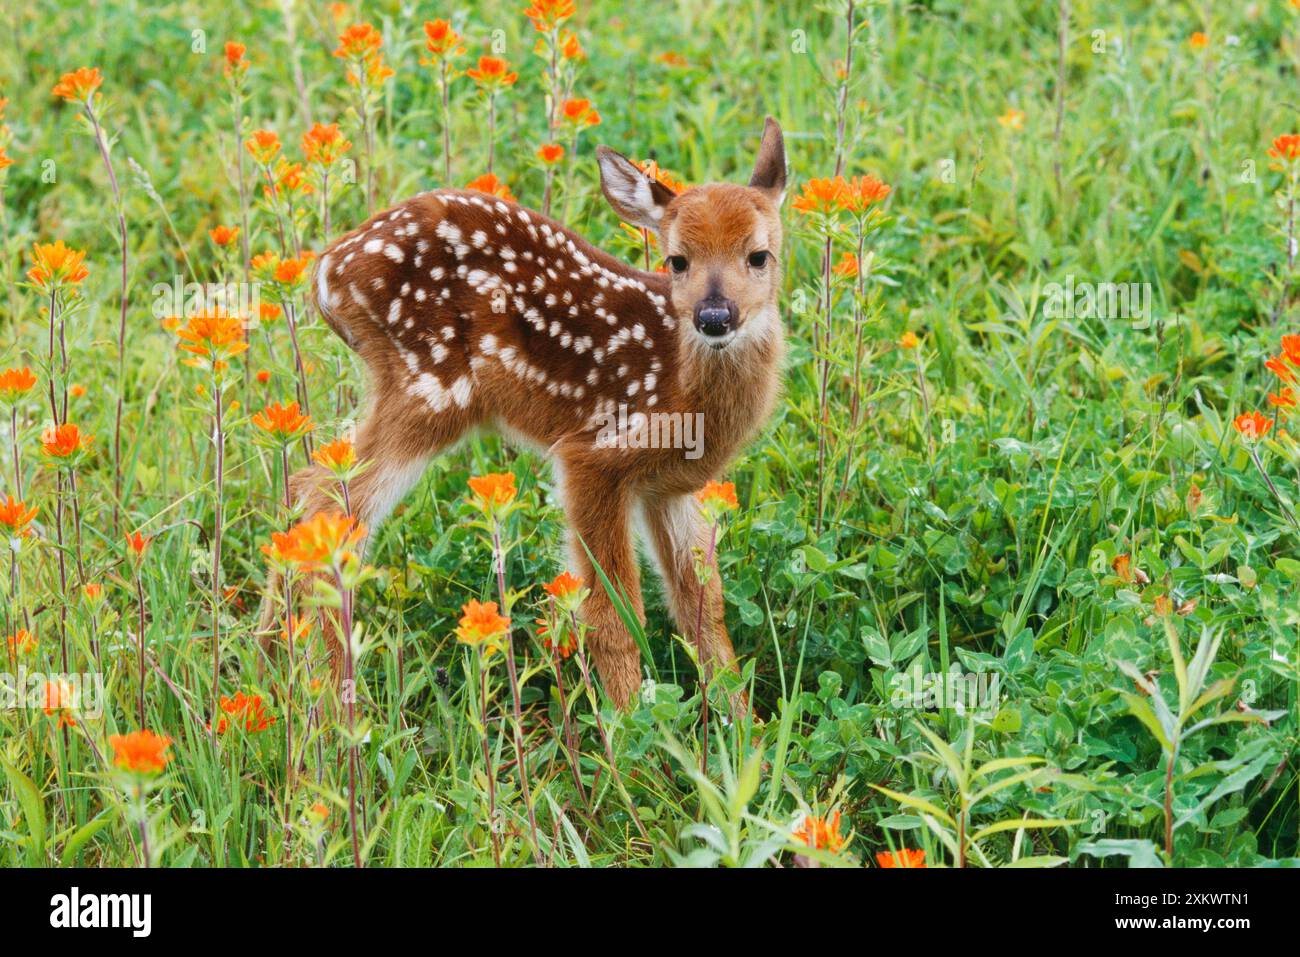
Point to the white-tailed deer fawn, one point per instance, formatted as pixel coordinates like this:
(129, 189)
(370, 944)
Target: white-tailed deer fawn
(469, 310)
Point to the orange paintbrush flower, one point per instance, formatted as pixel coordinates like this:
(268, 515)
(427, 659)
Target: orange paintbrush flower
(579, 113)
(441, 40)
(546, 15)
(1286, 147)
(324, 144)
(1012, 119)
(904, 857)
(93, 591)
(359, 42)
(291, 272)
(248, 710)
(1279, 367)
(64, 441)
(819, 196)
(15, 516)
(235, 62)
(1198, 41)
(316, 542)
(213, 339)
(21, 642)
(137, 543)
(141, 752)
(60, 698)
(819, 833)
(5, 161)
(16, 382)
(338, 456)
(481, 625)
(908, 340)
(1252, 425)
(488, 183)
(571, 47)
(78, 85)
(283, 422)
(56, 264)
(564, 585)
(847, 266)
(223, 235)
(264, 145)
(719, 494)
(1283, 398)
(492, 74)
(551, 153)
(660, 175)
(861, 192)
(493, 489)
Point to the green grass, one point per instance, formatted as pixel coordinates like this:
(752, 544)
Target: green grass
(975, 510)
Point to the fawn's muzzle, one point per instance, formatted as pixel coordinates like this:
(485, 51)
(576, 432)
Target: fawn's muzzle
(715, 317)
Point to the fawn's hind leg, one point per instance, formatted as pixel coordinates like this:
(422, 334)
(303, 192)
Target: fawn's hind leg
(395, 442)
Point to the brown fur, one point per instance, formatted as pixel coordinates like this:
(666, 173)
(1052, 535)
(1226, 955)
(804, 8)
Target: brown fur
(531, 348)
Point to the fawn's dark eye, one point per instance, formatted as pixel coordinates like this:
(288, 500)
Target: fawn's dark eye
(759, 259)
(678, 263)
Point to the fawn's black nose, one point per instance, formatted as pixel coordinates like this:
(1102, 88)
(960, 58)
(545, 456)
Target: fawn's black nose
(715, 317)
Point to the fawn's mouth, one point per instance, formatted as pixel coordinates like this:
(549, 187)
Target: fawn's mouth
(718, 343)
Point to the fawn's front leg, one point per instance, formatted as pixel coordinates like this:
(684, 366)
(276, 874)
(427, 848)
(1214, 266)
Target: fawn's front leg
(598, 513)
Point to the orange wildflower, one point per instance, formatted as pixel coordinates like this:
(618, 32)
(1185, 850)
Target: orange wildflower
(1198, 41)
(263, 144)
(567, 643)
(722, 494)
(1283, 398)
(64, 441)
(819, 196)
(903, 857)
(4, 159)
(337, 456)
(137, 543)
(820, 833)
(672, 58)
(660, 175)
(15, 516)
(235, 62)
(79, 85)
(1286, 147)
(1278, 366)
(213, 339)
(358, 42)
(563, 585)
(16, 382)
(551, 153)
(141, 752)
(488, 183)
(1012, 119)
(248, 710)
(481, 625)
(269, 311)
(570, 47)
(495, 488)
(579, 113)
(909, 340)
(847, 266)
(263, 376)
(223, 235)
(324, 144)
(317, 541)
(546, 15)
(1122, 566)
(860, 193)
(21, 642)
(56, 263)
(291, 272)
(93, 591)
(441, 40)
(1252, 425)
(61, 699)
(493, 74)
(283, 422)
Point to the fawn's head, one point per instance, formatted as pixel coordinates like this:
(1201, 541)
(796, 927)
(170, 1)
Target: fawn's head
(722, 242)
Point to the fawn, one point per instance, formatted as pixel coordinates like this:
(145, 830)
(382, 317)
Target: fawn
(469, 310)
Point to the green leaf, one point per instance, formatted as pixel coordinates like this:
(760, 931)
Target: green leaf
(1015, 824)
(29, 797)
(921, 804)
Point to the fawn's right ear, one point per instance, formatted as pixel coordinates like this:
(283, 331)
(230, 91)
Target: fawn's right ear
(638, 198)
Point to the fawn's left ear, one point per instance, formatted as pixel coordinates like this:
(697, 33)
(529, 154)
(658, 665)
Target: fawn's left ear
(638, 198)
(769, 168)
